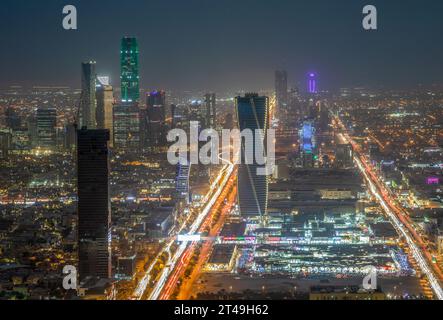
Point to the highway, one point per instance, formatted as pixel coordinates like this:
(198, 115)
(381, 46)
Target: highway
(186, 256)
(210, 198)
(216, 189)
(396, 216)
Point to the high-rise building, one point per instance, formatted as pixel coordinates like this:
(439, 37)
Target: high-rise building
(323, 117)
(252, 112)
(70, 135)
(94, 206)
(129, 77)
(344, 156)
(312, 83)
(46, 127)
(281, 88)
(13, 120)
(182, 181)
(105, 104)
(307, 144)
(172, 121)
(127, 127)
(5, 144)
(88, 103)
(156, 119)
(211, 115)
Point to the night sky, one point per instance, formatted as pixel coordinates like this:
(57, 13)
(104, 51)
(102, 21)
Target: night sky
(225, 44)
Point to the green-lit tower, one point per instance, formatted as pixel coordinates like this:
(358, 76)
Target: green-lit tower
(130, 79)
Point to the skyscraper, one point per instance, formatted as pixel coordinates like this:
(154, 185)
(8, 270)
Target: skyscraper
(13, 120)
(156, 118)
(127, 127)
(281, 88)
(129, 77)
(182, 181)
(94, 206)
(344, 156)
(105, 104)
(307, 144)
(211, 116)
(46, 128)
(5, 144)
(312, 83)
(88, 103)
(252, 112)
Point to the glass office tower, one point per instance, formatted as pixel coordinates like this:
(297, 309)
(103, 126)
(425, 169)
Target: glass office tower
(94, 205)
(130, 79)
(252, 112)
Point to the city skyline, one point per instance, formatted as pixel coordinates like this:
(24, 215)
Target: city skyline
(222, 151)
(351, 57)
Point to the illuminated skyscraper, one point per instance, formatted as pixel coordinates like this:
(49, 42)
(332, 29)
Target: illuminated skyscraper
(94, 206)
(312, 83)
(46, 127)
(210, 101)
(252, 112)
(156, 118)
(182, 181)
(127, 127)
(105, 104)
(307, 144)
(281, 88)
(129, 77)
(88, 103)
(344, 156)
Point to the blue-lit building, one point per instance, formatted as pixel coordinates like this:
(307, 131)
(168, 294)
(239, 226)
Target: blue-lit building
(252, 112)
(307, 144)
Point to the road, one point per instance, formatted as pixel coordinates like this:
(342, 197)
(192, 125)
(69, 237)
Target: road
(213, 195)
(210, 198)
(179, 271)
(397, 216)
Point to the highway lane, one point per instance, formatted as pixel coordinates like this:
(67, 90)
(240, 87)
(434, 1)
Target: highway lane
(419, 252)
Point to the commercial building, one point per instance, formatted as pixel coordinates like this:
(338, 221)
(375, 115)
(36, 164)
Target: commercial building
(105, 104)
(94, 206)
(46, 128)
(88, 102)
(156, 119)
(252, 112)
(281, 88)
(127, 127)
(129, 77)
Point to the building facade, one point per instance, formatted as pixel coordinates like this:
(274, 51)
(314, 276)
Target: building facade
(94, 206)
(252, 112)
(105, 105)
(127, 127)
(46, 128)
(88, 102)
(129, 77)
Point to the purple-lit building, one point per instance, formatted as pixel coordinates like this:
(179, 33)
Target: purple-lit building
(312, 83)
